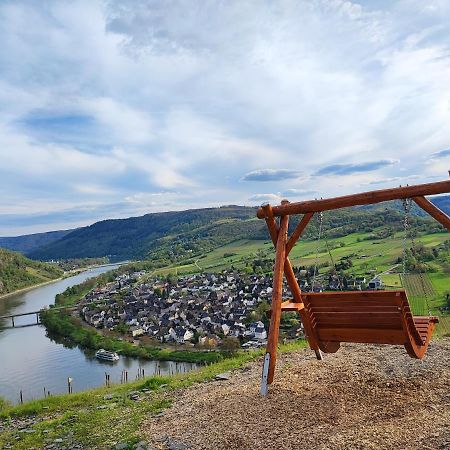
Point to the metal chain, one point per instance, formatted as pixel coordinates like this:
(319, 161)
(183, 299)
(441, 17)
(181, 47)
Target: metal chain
(407, 203)
(406, 207)
(333, 262)
(317, 251)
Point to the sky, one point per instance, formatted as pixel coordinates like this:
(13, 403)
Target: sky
(112, 109)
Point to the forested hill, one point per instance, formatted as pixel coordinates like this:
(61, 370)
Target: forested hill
(135, 237)
(181, 234)
(30, 242)
(18, 272)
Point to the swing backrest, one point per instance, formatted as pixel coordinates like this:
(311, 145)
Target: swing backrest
(382, 317)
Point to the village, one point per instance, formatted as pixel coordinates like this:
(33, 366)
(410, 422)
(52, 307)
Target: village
(201, 308)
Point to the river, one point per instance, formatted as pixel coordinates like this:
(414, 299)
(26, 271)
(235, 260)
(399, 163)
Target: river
(30, 361)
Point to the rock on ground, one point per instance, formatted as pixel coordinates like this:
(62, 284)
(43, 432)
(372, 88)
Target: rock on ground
(363, 397)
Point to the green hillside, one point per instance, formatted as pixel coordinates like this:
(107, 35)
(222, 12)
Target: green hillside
(135, 237)
(18, 272)
(166, 238)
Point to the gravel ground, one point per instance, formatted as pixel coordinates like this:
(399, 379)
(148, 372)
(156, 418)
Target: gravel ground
(363, 397)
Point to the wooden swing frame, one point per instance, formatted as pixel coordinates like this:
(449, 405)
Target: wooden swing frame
(415, 332)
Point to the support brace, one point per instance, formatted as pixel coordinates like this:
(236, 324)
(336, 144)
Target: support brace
(283, 265)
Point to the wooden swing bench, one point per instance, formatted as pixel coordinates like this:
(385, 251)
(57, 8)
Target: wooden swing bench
(329, 318)
(368, 317)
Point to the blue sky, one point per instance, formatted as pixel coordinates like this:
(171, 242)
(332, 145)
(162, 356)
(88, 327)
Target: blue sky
(118, 108)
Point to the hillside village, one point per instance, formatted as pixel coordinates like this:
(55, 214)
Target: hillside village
(199, 308)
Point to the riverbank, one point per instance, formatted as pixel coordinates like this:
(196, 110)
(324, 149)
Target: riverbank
(45, 283)
(30, 288)
(63, 325)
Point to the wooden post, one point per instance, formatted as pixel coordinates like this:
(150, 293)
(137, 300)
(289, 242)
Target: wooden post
(274, 331)
(21, 397)
(290, 276)
(12, 318)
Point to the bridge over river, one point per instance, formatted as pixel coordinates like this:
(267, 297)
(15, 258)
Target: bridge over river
(31, 313)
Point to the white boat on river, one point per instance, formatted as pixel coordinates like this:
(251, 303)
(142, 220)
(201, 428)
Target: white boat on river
(106, 356)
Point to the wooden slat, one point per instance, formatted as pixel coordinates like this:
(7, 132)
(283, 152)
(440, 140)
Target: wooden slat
(350, 303)
(368, 293)
(368, 335)
(356, 295)
(353, 308)
(355, 316)
(378, 325)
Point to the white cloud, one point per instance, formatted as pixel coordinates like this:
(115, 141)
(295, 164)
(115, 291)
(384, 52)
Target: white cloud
(271, 175)
(263, 198)
(136, 97)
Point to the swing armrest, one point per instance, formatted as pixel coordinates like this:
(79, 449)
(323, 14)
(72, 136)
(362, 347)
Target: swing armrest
(292, 306)
(287, 306)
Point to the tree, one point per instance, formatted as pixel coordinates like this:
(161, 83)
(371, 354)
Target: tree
(230, 344)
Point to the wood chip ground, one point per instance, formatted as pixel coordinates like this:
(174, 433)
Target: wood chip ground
(363, 397)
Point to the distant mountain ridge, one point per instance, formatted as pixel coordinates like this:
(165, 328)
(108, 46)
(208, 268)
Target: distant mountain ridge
(30, 242)
(180, 234)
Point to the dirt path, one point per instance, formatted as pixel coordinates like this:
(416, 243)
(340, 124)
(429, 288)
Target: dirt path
(363, 397)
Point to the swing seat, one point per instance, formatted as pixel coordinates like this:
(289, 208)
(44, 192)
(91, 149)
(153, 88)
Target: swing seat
(372, 317)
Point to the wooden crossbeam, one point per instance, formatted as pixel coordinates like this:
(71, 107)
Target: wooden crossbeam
(433, 211)
(364, 198)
